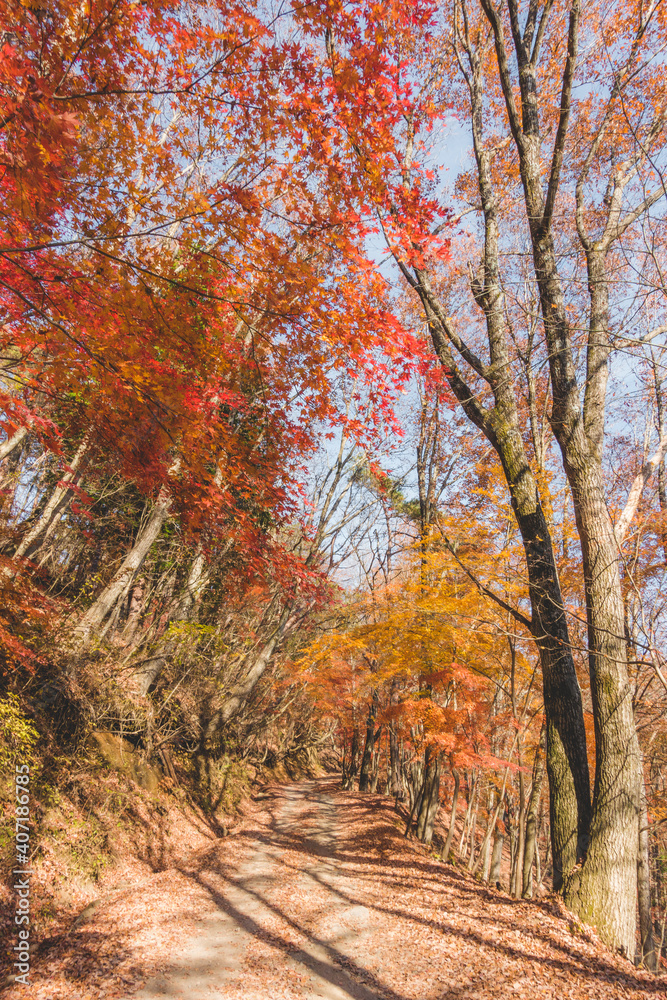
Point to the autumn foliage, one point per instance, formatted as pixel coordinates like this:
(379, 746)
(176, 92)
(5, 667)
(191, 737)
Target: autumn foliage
(303, 438)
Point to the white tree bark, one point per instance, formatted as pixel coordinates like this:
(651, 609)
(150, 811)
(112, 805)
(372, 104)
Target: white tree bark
(257, 664)
(150, 669)
(8, 446)
(649, 467)
(59, 499)
(132, 563)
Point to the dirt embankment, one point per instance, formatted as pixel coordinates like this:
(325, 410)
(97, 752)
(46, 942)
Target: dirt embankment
(103, 825)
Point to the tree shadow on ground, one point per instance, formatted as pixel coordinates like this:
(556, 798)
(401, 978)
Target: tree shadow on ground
(338, 969)
(352, 851)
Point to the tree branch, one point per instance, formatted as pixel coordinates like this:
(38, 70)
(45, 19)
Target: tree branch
(636, 490)
(505, 76)
(542, 27)
(526, 622)
(564, 117)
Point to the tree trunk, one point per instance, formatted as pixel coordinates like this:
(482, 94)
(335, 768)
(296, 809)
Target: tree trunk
(496, 858)
(149, 670)
(430, 802)
(256, 666)
(452, 819)
(521, 834)
(602, 840)
(545, 869)
(485, 853)
(415, 808)
(471, 791)
(473, 830)
(366, 760)
(387, 767)
(661, 932)
(375, 763)
(121, 582)
(538, 864)
(567, 763)
(415, 783)
(10, 478)
(490, 828)
(510, 826)
(8, 446)
(531, 818)
(396, 781)
(662, 430)
(610, 867)
(608, 870)
(58, 500)
(649, 949)
(351, 772)
(135, 608)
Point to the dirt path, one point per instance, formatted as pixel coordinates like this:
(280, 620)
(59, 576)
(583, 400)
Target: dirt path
(223, 959)
(320, 896)
(332, 902)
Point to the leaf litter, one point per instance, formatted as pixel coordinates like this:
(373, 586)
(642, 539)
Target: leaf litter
(320, 895)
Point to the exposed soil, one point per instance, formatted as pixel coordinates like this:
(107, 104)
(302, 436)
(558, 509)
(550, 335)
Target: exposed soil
(319, 895)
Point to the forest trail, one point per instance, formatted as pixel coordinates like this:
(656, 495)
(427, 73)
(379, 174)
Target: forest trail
(320, 896)
(283, 920)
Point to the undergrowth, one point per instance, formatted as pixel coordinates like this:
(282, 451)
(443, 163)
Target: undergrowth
(88, 813)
